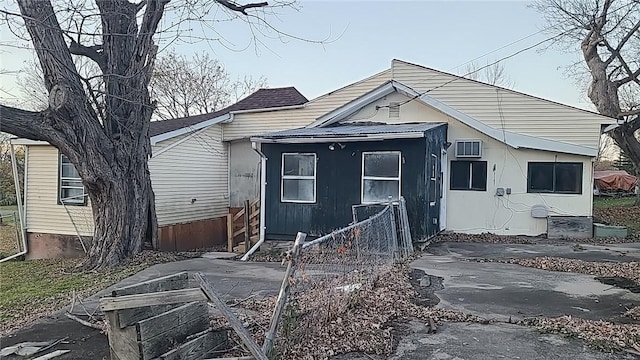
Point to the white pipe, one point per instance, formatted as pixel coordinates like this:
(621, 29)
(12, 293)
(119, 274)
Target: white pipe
(263, 187)
(16, 179)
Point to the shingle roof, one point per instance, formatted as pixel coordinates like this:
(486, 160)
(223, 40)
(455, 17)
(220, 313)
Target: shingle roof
(261, 99)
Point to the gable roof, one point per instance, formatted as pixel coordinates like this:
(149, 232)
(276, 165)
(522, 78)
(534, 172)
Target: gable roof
(512, 139)
(502, 88)
(348, 132)
(261, 99)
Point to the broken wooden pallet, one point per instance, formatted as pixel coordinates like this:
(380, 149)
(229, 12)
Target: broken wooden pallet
(160, 319)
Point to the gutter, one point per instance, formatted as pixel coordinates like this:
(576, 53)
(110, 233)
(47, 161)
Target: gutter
(289, 107)
(263, 188)
(21, 213)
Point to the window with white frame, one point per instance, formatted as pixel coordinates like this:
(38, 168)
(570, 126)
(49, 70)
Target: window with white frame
(70, 188)
(381, 172)
(298, 178)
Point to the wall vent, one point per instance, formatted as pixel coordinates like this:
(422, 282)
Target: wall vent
(469, 148)
(394, 109)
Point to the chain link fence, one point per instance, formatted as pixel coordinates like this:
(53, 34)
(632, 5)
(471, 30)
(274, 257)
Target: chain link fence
(334, 271)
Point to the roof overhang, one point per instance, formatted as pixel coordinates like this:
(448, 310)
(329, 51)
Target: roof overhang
(514, 140)
(27, 142)
(189, 129)
(329, 139)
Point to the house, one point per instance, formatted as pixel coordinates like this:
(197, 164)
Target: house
(189, 174)
(467, 156)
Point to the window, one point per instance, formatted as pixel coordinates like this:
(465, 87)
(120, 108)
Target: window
(298, 178)
(381, 176)
(469, 175)
(71, 190)
(548, 177)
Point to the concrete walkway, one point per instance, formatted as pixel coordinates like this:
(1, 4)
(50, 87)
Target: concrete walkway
(499, 291)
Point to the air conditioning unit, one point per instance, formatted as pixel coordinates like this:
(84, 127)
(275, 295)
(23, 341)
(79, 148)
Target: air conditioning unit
(469, 148)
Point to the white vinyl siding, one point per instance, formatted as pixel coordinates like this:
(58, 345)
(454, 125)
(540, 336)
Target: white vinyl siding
(43, 212)
(494, 106)
(190, 180)
(253, 124)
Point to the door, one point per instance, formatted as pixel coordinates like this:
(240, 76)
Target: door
(434, 187)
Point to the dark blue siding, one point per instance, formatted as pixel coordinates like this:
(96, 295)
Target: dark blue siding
(338, 175)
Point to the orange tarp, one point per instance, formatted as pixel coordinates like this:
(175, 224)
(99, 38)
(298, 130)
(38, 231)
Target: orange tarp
(614, 180)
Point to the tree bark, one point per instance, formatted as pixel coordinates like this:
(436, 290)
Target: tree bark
(603, 93)
(111, 153)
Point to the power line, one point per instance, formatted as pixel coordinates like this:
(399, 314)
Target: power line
(461, 77)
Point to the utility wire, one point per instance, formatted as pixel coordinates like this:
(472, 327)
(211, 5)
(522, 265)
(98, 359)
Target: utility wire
(463, 77)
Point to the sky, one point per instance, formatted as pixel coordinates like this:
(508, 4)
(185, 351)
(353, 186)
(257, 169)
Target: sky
(346, 41)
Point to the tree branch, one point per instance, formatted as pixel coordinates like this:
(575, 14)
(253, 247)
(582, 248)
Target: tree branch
(22, 123)
(92, 52)
(631, 112)
(633, 76)
(240, 8)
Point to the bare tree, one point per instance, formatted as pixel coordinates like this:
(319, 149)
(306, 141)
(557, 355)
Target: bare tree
(184, 87)
(607, 33)
(491, 74)
(107, 139)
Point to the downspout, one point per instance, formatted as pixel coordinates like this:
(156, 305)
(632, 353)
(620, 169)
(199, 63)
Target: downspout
(263, 187)
(21, 214)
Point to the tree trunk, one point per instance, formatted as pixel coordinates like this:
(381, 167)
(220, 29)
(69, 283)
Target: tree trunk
(123, 214)
(109, 147)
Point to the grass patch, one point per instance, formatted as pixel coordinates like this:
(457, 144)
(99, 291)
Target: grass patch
(601, 202)
(8, 242)
(36, 288)
(9, 207)
(39, 287)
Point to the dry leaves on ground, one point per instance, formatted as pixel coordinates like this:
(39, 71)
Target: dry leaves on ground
(627, 270)
(487, 238)
(320, 322)
(633, 313)
(603, 335)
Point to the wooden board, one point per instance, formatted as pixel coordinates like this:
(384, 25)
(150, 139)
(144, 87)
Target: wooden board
(150, 299)
(569, 227)
(199, 234)
(129, 317)
(167, 323)
(123, 342)
(199, 347)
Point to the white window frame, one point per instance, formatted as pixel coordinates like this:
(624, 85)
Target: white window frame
(81, 201)
(284, 177)
(363, 177)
